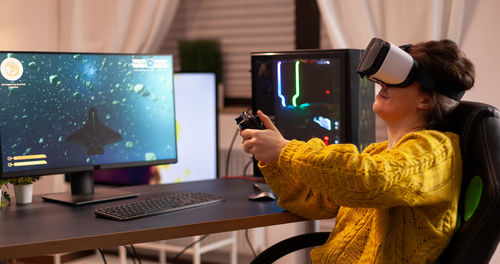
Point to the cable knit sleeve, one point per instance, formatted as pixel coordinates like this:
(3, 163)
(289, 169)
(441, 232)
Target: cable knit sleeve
(295, 196)
(419, 170)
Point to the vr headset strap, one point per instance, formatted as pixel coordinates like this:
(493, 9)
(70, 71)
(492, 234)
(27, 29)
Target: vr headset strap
(427, 81)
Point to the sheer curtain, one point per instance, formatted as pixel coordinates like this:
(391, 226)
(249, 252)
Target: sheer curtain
(351, 24)
(131, 26)
(85, 25)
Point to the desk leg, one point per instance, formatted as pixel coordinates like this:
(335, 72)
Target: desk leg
(122, 253)
(315, 225)
(196, 251)
(162, 253)
(234, 248)
(57, 258)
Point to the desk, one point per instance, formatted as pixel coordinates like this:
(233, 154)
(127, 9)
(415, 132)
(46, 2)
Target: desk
(46, 228)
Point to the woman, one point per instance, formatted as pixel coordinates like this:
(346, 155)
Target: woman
(396, 202)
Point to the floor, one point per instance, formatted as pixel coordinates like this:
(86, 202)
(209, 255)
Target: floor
(147, 256)
(112, 258)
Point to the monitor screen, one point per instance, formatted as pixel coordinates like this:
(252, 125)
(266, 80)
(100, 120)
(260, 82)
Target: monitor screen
(196, 115)
(69, 112)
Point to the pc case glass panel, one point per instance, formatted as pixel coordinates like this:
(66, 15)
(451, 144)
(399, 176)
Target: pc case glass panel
(302, 94)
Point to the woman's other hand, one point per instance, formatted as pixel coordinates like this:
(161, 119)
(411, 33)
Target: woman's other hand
(265, 145)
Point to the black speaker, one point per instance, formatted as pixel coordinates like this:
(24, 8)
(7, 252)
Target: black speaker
(314, 93)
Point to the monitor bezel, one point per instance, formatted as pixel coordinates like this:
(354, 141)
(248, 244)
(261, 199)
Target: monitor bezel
(64, 170)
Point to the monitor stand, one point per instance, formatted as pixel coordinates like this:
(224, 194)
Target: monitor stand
(82, 191)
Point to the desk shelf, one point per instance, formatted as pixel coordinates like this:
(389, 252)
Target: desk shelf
(196, 250)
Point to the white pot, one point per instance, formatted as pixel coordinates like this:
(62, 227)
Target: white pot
(23, 193)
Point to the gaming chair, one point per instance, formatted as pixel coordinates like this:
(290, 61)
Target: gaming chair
(478, 226)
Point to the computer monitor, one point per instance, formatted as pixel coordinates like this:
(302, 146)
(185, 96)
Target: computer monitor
(75, 113)
(197, 141)
(314, 93)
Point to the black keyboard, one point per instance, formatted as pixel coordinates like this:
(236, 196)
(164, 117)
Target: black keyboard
(158, 205)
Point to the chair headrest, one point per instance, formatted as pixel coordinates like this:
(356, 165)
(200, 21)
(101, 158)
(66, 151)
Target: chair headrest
(466, 118)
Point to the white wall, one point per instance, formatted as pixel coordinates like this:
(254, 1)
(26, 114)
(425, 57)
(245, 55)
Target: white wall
(480, 43)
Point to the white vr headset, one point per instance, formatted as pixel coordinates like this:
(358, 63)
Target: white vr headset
(386, 63)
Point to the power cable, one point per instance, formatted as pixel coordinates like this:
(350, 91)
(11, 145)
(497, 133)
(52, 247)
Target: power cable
(102, 255)
(229, 151)
(187, 247)
(135, 254)
(246, 167)
(250, 243)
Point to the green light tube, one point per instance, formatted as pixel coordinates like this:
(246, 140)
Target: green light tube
(297, 84)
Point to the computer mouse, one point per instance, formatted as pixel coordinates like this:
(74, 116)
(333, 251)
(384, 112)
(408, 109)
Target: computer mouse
(262, 196)
(261, 193)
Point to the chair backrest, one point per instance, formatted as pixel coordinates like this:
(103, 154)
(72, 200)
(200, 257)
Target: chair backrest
(478, 231)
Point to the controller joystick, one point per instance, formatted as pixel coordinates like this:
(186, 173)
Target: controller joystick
(247, 120)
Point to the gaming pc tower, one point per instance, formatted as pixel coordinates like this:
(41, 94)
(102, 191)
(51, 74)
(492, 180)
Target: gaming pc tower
(314, 93)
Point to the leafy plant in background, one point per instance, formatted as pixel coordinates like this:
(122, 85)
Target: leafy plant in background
(202, 55)
(5, 196)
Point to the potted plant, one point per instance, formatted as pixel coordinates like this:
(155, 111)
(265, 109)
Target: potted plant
(4, 196)
(201, 55)
(23, 188)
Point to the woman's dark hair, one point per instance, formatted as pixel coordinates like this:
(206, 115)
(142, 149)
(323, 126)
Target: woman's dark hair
(448, 66)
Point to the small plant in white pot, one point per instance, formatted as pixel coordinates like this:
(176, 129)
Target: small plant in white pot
(23, 188)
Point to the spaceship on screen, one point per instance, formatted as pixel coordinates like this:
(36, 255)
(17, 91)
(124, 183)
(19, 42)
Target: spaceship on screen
(94, 135)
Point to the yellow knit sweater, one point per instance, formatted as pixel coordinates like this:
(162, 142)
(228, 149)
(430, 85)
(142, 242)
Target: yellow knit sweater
(391, 206)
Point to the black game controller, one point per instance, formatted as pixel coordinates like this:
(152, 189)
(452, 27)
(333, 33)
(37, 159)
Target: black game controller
(247, 120)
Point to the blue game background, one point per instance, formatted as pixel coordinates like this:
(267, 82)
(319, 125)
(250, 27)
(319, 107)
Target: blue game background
(58, 91)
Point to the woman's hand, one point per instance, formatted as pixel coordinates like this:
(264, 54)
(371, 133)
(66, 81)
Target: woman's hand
(265, 145)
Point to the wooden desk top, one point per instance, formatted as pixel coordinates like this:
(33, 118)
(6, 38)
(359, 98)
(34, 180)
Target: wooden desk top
(46, 228)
